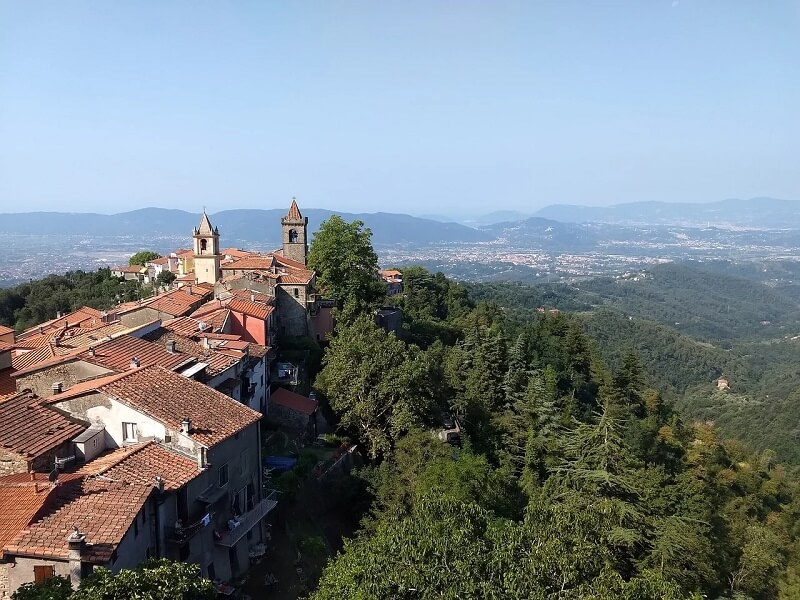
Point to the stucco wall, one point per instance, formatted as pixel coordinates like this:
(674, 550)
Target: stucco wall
(97, 408)
(21, 570)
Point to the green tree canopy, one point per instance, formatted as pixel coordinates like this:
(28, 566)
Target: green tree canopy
(346, 265)
(156, 579)
(378, 386)
(142, 257)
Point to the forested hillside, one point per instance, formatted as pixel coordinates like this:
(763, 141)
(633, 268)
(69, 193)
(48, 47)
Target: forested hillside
(31, 303)
(575, 478)
(731, 325)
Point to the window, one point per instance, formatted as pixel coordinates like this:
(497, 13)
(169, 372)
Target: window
(222, 474)
(42, 573)
(203, 245)
(129, 432)
(296, 293)
(292, 236)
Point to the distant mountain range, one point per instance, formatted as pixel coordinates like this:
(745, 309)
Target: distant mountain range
(235, 226)
(768, 213)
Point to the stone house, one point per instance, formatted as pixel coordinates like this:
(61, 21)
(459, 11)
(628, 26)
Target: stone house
(33, 436)
(294, 411)
(220, 435)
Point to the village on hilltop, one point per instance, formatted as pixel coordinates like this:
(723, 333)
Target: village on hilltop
(136, 432)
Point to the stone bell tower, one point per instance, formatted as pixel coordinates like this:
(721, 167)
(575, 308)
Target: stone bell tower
(206, 252)
(295, 234)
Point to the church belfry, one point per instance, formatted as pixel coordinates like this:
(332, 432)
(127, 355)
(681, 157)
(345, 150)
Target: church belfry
(295, 234)
(207, 258)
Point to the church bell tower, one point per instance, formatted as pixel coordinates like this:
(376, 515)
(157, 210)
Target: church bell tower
(206, 252)
(295, 234)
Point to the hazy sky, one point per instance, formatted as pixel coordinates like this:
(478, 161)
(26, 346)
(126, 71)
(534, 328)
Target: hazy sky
(422, 107)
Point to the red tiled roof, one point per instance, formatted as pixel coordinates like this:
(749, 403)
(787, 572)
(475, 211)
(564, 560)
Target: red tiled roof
(90, 385)
(76, 317)
(161, 260)
(141, 464)
(188, 277)
(8, 385)
(4, 330)
(20, 500)
(293, 401)
(102, 510)
(116, 354)
(24, 360)
(251, 309)
(169, 397)
(294, 212)
(257, 263)
(215, 361)
(294, 280)
(236, 253)
(29, 428)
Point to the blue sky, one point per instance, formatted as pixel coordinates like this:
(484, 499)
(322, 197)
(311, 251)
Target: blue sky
(452, 107)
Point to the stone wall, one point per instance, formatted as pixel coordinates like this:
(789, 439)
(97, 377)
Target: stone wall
(293, 318)
(290, 419)
(11, 463)
(41, 382)
(5, 594)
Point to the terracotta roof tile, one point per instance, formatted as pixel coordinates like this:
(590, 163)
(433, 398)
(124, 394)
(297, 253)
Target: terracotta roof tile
(251, 309)
(169, 397)
(29, 428)
(161, 260)
(216, 362)
(102, 510)
(24, 360)
(4, 330)
(288, 399)
(20, 501)
(141, 464)
(8, 385)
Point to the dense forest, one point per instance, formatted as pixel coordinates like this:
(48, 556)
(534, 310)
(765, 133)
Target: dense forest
(40, 300)
(576, 477)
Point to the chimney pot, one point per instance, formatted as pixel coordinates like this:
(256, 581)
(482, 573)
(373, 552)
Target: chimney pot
(58, 386)
(186, 425)
(159, 484)
(134, 363)
(171, 345)
(92, 352)
(252, 297)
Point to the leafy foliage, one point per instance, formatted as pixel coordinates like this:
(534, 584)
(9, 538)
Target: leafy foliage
(576, 479)
(347, 267)
(155, 579)
(143, 256)
(29, 304)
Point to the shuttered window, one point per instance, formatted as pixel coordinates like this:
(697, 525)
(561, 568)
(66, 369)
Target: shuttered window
(42, 573)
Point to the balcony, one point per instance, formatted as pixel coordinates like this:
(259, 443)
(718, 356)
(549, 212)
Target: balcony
(247, 521)
(182, 535)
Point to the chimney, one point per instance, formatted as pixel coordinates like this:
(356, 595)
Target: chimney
(56, 341)
(134, 363)
(171, 345)
(76, 541)
(252, 297)
(201, 458)
(206, 345)
(186, 425)
(159, 484)
(58, 387)
(189, 288)
(58, 314)
(92, 352)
